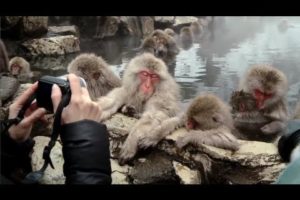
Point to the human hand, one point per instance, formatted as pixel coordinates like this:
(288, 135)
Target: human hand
(21, 131)
(80, 107)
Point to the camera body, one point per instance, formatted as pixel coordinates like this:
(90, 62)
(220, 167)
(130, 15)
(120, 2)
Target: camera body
(44, 90)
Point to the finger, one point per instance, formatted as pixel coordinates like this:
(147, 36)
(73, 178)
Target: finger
(75, 86)
(55, 96)
(35, 116)
(20, 101)
(85, 93)
(32, 108)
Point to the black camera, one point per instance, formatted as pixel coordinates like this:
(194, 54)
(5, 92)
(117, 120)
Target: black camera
(43, 93)
(289, 143)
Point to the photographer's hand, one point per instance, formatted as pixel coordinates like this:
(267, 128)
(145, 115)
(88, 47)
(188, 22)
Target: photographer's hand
(80, 107)
(21, 131)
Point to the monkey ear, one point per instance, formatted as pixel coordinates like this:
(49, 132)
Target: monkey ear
(218, 118)
(96, 75)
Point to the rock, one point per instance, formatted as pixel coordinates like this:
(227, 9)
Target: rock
(254, 163)
(51, 176)
(147, 25)
(8, 87)
(130, 26)
(58, 45)
(35, 25)
(7, 22)
(119, 173)
(183, 21)
(154, 169)
(186, 175)
(63, 30)
(3, 113)
(162, 22)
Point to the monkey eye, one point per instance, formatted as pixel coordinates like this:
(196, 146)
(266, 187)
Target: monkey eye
(154, 76)
(144, 73)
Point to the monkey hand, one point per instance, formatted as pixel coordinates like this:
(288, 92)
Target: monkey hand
(183, 141)
(273, 128)
(129, 111)
(128, 150)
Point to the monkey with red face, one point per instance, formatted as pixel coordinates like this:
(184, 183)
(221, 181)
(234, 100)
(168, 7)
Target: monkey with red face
(20, 68)
(151, 91)
(267, 86)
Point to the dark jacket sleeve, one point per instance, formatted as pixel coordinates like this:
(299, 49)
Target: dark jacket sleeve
(86, 153)
(15, 160)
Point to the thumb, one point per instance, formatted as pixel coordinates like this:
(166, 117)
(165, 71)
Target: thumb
(55, 96)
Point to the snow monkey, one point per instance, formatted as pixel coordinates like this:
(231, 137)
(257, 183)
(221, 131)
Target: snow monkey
(268, 86)
(161, 45)
(152, 91)
(196, 28)
(208, 121)
(96, 72)
(20, 68)
(186, 37)
(170, 32)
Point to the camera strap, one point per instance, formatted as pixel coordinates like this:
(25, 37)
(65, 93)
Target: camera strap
(35, 177)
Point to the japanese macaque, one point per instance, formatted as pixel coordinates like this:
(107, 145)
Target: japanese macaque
(186, 37)
(196, 28)
(20, 68)
(170, 32)
(208, 121)
(95, 71)
(161, 45)
(150, 90)
(3, 58)
(268, 86)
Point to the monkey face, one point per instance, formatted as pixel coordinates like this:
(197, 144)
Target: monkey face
(160, 49)
(148, 80)
(203, 122)
(15, 69)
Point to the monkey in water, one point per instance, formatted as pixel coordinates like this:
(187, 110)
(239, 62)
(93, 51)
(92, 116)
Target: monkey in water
(267, 86)
(161, 45)
(186, 37)
(152, 91)
(96, 72)
(196, 29)
(20, 68)
(170, 32)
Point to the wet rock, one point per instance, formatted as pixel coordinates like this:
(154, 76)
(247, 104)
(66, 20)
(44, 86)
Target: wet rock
(24, 26)
(162, 22)
(35, 25)
(63, 30)
(8, 87)
(119, 173)
(7, 22)
(58, 45)
(183, 21)
(254, 163)
(3, 113)
(154, 169)
(186, 175)
(147, 25)
(51, 176)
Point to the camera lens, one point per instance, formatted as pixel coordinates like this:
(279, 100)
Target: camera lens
(290, 140)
